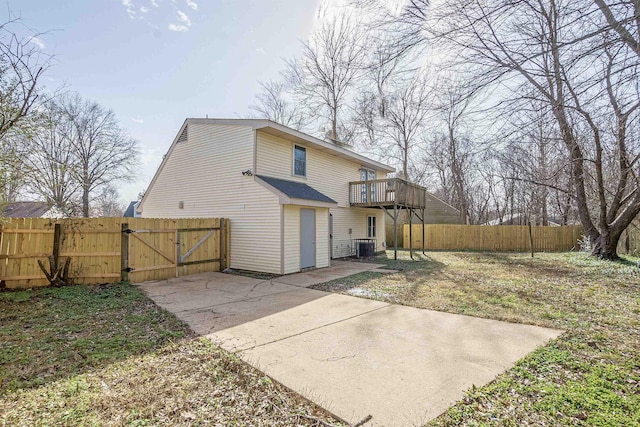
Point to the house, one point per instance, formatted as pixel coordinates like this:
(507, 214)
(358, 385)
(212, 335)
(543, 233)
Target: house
(294, 201)
(28, 210)
(132, 210)
(437, 211)
(524, 219)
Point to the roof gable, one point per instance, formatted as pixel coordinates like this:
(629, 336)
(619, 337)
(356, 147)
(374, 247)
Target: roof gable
(285, 132)
(274, 129)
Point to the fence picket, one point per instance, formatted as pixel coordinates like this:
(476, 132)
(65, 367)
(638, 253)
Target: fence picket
(95, 246)
(508, 238)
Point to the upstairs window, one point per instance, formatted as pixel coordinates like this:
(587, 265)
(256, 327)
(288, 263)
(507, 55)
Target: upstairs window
(299, 161)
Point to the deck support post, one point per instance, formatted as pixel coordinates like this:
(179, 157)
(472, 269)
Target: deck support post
(423, 232)
(410, 210)
(394, 217)
(395, 232)
(397, 193)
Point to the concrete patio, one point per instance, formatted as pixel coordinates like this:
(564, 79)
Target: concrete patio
(355, 357)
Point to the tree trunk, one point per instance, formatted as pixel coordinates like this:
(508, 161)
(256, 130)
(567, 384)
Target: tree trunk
(85, 202)
(334, 124)
(405, 160)
(605, 245)
(545, 190)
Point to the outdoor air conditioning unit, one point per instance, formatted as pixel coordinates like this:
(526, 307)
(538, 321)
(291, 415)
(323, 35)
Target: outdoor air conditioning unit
(365, 248)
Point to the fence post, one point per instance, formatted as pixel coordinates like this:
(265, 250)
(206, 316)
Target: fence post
(124, 253)
(176, 236)
(531, 238)
(224, 263)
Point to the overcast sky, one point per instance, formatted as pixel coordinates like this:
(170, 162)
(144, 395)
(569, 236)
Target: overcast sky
(156, 62)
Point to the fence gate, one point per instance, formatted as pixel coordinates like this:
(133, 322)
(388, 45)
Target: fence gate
(166, 250)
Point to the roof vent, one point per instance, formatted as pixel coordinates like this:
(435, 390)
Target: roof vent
(184, 135)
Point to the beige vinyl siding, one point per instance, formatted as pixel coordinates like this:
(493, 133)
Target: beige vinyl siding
(356, 220)
(328, 174)
(322, 237)
(292, 238)
(205, 173)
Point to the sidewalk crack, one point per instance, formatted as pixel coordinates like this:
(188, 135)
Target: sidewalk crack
(313, 329)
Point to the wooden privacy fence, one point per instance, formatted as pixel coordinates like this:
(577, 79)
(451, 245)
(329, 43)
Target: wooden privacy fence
(514, 238)
(111, 249)
(630, 241)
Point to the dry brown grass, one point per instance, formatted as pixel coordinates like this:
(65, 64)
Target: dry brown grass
(187, 383)
(590, 376)
(107, 356)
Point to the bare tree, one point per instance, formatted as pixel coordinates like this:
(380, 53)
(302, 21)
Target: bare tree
(404, 120)
(274, 103)
(22, 66)
(366, 120)
(579, 58)
(453, 106)
(13, 173)
(51, 162)
(453, 161)
(623, 17)
(535, 158)
(102, 151)
(385, 75)
(324, 76)
(107, 202)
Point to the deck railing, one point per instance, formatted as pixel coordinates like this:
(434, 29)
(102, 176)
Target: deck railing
(386, 192)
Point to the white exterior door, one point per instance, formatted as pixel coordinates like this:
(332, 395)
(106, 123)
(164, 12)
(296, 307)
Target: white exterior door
(307, 238)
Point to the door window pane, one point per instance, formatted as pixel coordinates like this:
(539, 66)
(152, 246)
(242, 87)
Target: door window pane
(367, 175)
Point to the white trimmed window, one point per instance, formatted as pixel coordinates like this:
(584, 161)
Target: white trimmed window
(371, 226)
(299, 161)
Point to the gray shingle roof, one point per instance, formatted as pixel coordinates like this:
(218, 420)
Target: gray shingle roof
(130, 212)
(296, 190)
(24, 209)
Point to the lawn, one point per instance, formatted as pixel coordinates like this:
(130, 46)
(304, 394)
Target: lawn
(106, 355)
(589, 376)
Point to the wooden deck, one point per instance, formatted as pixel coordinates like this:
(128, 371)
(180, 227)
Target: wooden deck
(387, 193)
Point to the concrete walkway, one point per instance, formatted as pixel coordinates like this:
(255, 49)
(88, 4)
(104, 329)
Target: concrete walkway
(352, 356)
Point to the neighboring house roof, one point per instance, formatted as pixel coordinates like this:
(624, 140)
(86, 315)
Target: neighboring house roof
(296, 190)
(521, 219)
(25, 209)
(439, 200)
(130, 212)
